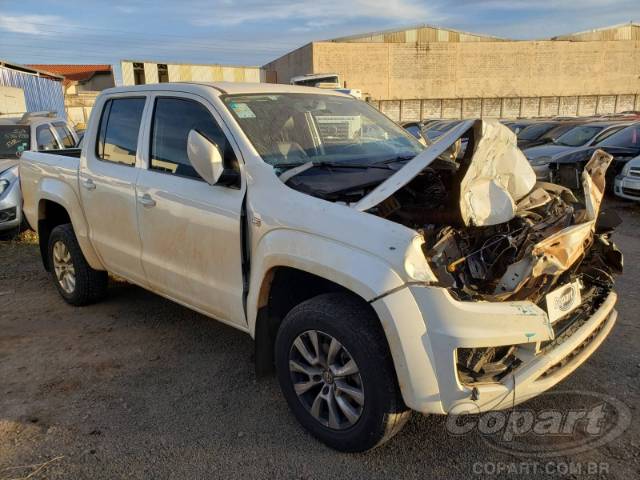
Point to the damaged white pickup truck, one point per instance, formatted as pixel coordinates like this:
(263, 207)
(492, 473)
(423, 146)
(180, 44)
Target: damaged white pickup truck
(375, 275)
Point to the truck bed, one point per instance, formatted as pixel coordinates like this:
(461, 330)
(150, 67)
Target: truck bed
(59, 167)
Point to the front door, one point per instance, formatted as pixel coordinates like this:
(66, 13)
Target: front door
(190, 230)
(107, 180)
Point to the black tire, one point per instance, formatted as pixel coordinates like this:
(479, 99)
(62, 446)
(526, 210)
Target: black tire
(354, 324)
(90, 284)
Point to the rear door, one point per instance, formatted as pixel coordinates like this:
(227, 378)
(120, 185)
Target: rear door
(190, 230)
(107, 184)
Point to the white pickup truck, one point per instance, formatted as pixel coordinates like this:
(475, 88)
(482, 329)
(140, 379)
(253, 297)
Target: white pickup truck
(375, 275)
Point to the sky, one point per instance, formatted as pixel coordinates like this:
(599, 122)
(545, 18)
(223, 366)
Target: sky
(252, 32)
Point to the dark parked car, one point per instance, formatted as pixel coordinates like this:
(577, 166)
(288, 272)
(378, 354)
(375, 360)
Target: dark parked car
(516, 126)
(415, 128)
(433, 131)
(581, 135)
(577, 138)
(544, 132)
(624, 145)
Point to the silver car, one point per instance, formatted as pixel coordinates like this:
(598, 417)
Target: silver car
(40, 131)
(627, 184)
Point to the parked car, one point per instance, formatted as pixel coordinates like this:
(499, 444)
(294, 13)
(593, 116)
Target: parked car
(33, 131)
(533, 133)
(575, 139)
(546, 133)
(375, 277)
(581, 135)
(566, 169)
(415, 128)
(627, 183)
(516, 126)
(436, 129)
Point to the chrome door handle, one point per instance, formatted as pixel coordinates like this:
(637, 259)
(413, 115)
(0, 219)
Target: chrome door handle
(88, 184)
(146, 200)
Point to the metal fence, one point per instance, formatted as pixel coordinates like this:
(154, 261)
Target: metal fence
(531, 107)
(41, 94)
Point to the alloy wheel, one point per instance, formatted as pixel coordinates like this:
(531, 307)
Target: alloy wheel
(326, 379)
(63, 267)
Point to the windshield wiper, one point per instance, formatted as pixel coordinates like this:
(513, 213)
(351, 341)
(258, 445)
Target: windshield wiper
(298, 168)
(400, 158)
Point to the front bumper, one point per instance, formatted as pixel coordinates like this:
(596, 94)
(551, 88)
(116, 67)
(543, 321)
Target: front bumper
(10, 207)
(425, 326)
(626, 187)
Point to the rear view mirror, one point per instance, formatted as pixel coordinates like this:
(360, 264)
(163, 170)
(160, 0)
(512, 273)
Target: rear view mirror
(207, 159)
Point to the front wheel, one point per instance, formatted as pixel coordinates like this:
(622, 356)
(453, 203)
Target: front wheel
(336, 373)
(76, 281)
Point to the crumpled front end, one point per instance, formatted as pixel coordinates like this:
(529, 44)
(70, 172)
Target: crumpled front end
(496, 238)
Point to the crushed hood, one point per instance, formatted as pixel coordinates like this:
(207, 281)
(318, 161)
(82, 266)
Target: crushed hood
(497, 177)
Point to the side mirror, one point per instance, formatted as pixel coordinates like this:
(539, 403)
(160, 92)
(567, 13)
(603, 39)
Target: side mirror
(207, 159)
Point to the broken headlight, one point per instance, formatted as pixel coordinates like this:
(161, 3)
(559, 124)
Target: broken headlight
(488, 364)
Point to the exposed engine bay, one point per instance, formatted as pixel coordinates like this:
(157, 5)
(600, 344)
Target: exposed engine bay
(492, 233)
(490, 236)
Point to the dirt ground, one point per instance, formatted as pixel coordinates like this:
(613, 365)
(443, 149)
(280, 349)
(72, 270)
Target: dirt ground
(139, 387)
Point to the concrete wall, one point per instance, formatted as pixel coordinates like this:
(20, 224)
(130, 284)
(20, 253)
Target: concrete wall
(298, 62)
(97, 83)
(78, 106)
(389, 71)
(509, 107)
(480, 78)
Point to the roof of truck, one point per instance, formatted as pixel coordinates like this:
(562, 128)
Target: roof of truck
(228, 88)
(35, 120)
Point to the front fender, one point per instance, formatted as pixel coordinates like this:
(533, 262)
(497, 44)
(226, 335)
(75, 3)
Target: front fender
(57, 191)
(357, 270)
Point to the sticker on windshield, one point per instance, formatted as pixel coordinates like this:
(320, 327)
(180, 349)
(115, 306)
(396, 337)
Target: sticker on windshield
(242, 110)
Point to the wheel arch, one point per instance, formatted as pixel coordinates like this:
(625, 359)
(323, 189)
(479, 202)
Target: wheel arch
(291, 267)
(58, 204)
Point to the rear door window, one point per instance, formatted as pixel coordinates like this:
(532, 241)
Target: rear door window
(45, 138)
(64, 134)
(119, 129)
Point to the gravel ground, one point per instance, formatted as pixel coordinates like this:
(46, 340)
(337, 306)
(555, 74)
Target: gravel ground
(139, 387)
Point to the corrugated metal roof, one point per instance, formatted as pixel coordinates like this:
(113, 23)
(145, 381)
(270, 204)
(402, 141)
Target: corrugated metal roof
(73, 72)
(622, 31)
(27, 69)
(40, 93)
(420, 33)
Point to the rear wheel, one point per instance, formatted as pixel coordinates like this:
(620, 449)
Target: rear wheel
(336, 373)
(76, 281)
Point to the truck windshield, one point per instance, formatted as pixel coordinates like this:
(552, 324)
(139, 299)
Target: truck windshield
(14, 139)
(293, 129)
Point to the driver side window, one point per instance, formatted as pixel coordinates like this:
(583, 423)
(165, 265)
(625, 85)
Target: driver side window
(173, 119)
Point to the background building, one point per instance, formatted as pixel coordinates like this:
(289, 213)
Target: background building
(82, 84)
(426, 71)
(42, 90)
(139, 73)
